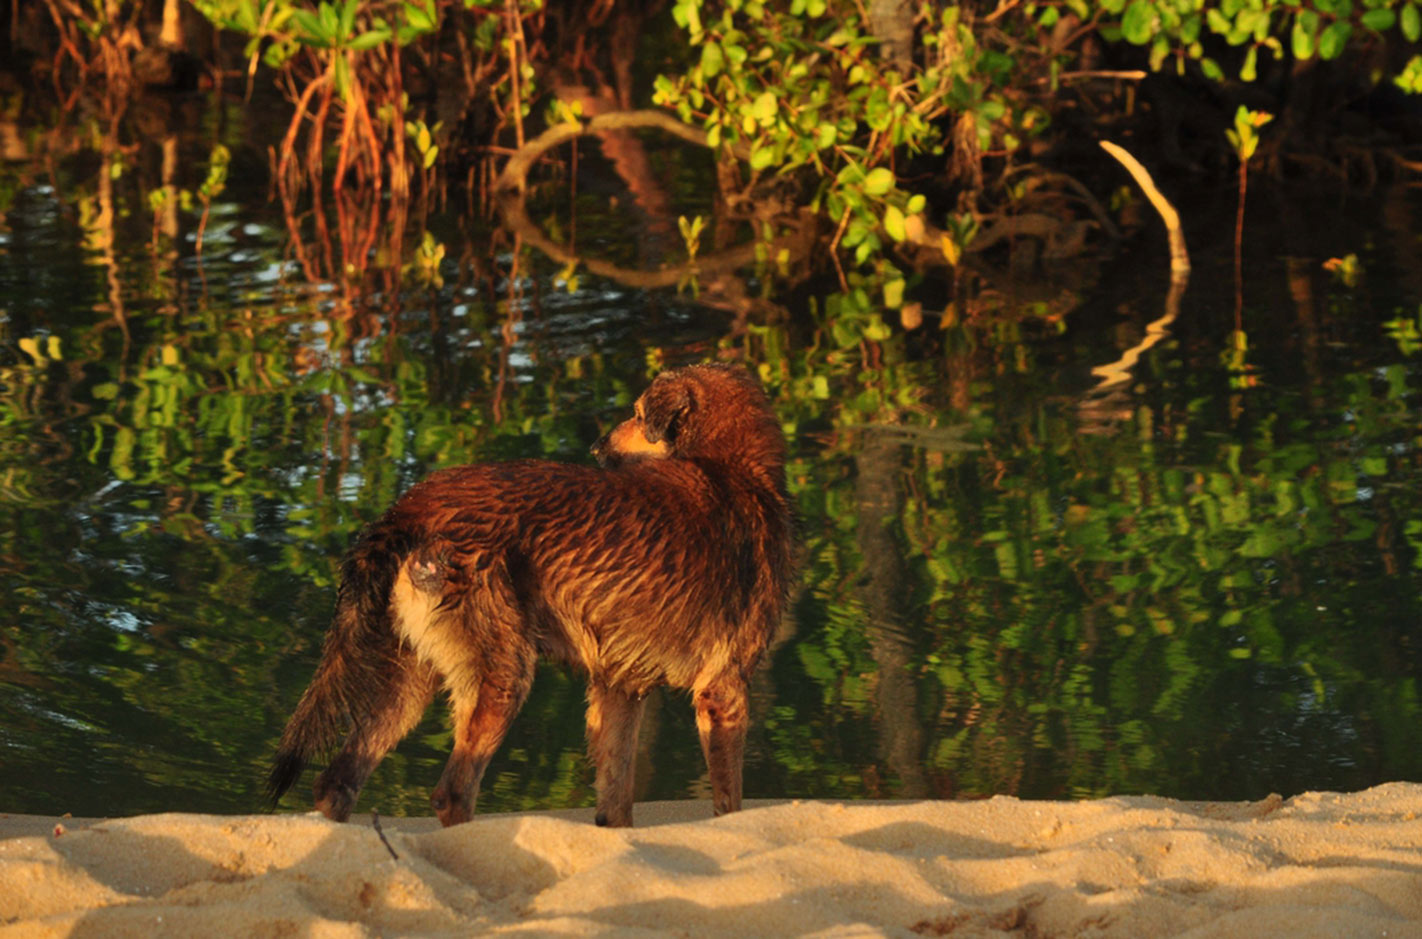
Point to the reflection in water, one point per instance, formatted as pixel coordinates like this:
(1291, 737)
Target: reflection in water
(1216, 595)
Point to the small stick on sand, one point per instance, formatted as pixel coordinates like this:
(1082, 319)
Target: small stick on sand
(375, 823)
(1179, 257)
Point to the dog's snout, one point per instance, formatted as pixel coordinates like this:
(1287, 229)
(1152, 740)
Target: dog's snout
(599, 449)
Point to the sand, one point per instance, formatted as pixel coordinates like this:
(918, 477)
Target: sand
(1319, 864)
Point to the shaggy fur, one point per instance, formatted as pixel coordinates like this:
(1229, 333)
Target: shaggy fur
(668, 565)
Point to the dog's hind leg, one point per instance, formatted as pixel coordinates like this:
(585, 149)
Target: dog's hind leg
(394, 709)
(722, 717)
(613, 719)
(484, 709)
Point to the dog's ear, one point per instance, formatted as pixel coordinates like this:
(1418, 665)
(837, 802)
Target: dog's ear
(665, 409)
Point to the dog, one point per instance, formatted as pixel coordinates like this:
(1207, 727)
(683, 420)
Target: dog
(668, 564)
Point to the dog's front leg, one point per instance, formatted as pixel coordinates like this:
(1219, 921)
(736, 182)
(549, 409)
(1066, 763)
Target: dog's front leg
(613, 719)
(722, 717)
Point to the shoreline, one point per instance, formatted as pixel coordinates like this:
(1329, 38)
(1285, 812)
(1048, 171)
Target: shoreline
(1318, 864)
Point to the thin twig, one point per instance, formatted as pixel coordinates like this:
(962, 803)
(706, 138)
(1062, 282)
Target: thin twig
(375, 822)
(1130, 74)
(1239, 249)
(834, 249)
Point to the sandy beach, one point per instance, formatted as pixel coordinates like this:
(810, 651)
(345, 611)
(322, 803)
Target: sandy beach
(1319, 864)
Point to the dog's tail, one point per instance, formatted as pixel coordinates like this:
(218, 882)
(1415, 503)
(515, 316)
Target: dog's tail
(356, 659)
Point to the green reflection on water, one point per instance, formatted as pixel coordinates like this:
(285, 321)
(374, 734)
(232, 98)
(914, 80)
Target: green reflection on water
(1213, 592)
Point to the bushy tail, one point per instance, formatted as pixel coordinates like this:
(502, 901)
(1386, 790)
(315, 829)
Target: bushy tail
(354, 658)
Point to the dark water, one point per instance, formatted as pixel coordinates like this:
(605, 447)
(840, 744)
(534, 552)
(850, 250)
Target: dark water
(1201, 582)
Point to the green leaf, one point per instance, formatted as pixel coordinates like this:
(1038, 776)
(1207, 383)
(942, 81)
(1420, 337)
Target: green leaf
(761, 157)
(765, 107)
(712, 60)
(1138, 25)
(1410, 23)
(1249, 70)
(329, 20)
(247, 16)
(1410, 78)
(1190, 29)
(879, 181)
(1379, 20)
(347, 23)
(1301, 40)
(418, 18)
(894, 223)
(369, 40)
(687, 14)
(877, 330)
(1334, 39)
(894, 294)
(309, 28)
(1159, 49)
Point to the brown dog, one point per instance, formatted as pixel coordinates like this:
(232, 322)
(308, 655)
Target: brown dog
(670, 565)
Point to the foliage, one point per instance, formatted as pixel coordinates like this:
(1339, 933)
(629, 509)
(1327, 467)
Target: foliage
(812, 89)
(806, 90)
(902, 145)
(353, 49)
(1244, 136)
(1178, 30)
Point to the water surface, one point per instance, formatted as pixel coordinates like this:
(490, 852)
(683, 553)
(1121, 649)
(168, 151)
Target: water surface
(1201, 582)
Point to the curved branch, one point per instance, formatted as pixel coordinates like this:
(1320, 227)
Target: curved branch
(512, 184)
(515, 173)
(1179, 257)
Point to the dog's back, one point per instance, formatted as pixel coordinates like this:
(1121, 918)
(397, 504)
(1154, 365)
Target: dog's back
(669, 566)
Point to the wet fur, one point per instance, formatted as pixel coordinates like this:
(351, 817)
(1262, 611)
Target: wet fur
(667, 565)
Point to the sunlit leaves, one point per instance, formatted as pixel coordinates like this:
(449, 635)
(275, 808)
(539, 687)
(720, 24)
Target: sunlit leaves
(1172, 28)
(41, 350)
(1410, 22)
(1139, 23)
(423, 139)
(894, 293)
(1244, 135)
(1332, 40)
(805, 91)
(1379, 20)
(1406, 331)
(894, 223)
(687, 14)
(878, 181)
(1410, 78)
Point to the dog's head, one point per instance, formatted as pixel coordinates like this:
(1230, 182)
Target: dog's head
(710, 411)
